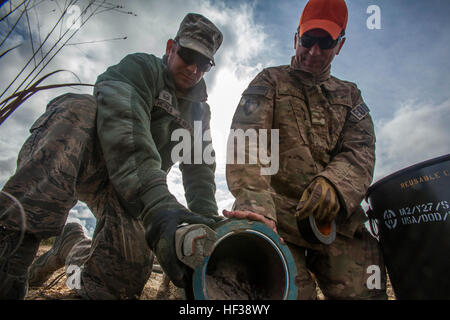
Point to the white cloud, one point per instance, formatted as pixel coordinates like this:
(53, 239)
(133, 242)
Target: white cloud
(175, 184)
(416, 132)
(83, 216)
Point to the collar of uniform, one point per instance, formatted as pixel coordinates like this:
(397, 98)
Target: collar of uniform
(196, 94)
(308, 78)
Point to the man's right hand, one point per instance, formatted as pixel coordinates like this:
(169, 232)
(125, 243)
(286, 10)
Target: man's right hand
(160, 236)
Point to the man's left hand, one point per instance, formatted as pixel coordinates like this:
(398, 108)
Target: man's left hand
(319, 199)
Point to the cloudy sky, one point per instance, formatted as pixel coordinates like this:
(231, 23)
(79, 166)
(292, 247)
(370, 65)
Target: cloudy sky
(400, 63)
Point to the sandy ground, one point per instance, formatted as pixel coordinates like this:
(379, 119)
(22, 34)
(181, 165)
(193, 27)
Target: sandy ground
(157, 288)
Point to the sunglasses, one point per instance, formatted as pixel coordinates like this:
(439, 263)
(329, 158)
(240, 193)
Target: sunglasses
(325, 43)
(191, 57)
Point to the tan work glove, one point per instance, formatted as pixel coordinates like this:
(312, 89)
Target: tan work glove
(319, 199)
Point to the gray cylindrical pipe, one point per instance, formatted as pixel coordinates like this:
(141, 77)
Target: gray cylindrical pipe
(248, 262)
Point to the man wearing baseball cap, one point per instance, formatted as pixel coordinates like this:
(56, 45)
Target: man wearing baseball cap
(326, 162)
(113, 151)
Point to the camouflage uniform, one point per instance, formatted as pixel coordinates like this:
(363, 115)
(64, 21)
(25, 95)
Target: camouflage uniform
(324, 130)
(113, 153)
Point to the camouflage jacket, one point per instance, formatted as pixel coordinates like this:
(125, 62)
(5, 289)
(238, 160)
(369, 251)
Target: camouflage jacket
(138, 110)
(324, 130)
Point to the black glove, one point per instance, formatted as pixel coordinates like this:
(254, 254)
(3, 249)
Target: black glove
(160, 236)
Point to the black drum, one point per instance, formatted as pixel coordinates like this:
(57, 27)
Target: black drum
(410, 213)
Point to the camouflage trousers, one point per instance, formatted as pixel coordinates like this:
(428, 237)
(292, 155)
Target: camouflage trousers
(59, 164)
(347, 269)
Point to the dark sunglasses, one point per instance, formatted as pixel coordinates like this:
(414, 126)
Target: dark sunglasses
(191, 57)
(325, 43)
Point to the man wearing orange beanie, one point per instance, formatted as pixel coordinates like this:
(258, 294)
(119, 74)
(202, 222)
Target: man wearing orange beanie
(326, 162)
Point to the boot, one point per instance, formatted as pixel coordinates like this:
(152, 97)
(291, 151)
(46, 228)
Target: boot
(54, 259)
(17, 252)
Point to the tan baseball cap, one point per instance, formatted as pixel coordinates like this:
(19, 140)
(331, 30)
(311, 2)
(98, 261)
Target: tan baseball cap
(198, 33)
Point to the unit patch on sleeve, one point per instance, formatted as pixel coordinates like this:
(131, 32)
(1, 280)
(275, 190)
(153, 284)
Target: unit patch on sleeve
(251, 98)
(360, 111)
(249, 104)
